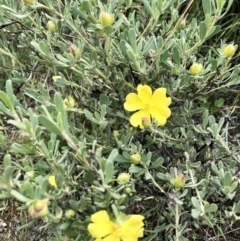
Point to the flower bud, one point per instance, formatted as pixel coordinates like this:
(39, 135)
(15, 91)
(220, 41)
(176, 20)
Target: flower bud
(196, 69)
(127, 190)
(70, 213)
(229, 50)
(146, 123)
(38, 209)
(52, 181)
(69, 101)
(179, 181)
(106, 19)
(123, 177)
(135, 158)
(182, 25)
(29, 174)
(29, 2)
(75, 51)
(116, 133)
(54, 78)
(51, 27)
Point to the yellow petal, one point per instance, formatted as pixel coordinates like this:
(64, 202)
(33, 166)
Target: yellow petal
(134, 223)
(99, 230)
(133, 102)
(52, 181)
(160, 114)
(100, 216)
(69, 101)
(144, 93)
(111, 237)
(159, 97)
(136, 118)
(129, 237)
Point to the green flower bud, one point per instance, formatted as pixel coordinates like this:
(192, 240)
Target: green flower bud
(182, 25)
(38, 209)
(135, 158)
(106, 19)
(146, 123)
(124, 177)
(29, 2)
(127, 190)
(30, 174)
(51, 27)
(70, 213)
(196, 69)
(75, 51)
(229, 50)
(179, 181)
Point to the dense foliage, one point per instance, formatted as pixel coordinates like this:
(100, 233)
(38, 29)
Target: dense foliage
(120, 111)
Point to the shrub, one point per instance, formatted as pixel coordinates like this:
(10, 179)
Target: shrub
(98, 89)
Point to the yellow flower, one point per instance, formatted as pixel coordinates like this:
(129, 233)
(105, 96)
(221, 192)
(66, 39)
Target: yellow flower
(148, 104)
(229, 50)
(69, 101)
(54, 78)
(127, 229)
(52, 180)
(196, 69)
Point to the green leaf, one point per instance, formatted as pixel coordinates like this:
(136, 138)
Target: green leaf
(157, 163)
(113, 155)
(18, 124)
(90, 117)
(176, 56)
(8, 173)
(37, 47)
(9, 91)
(234, 186)
(22, 148)
(89, 177)
(227, 179)
(5, 110)
(195, 213)
(33, 94)
(135, 169)
(215, 30)
(28, 189)
(148, 7)
(6, 100)
(108, 171)
(195, 202)
(104, 100)
(76, 13)
(7, 160)
(148, 45)
(226, 190)
(207, 7)
(203, 30)
(19, 196)
(132, 39)
(50, 125)
(219, 102)
(63, 122)
(212, 208)
(131, 55)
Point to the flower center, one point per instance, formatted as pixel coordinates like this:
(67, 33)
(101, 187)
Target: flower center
(147, 106)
